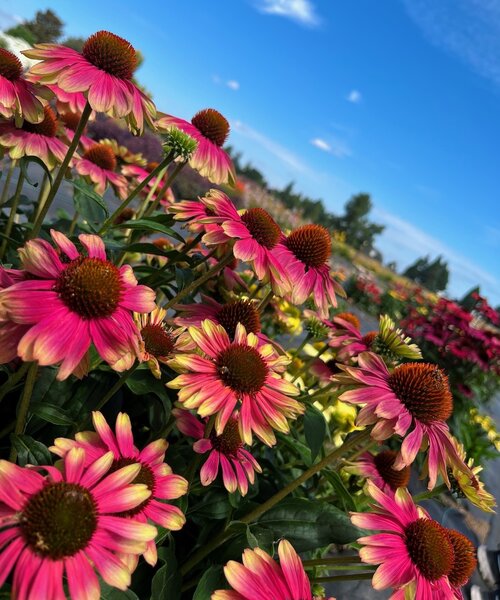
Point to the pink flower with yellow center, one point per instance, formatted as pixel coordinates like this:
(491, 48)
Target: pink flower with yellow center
(19, 98)
(102, 72)
(226, 452)
(62, 528)
(98, 164)
(231, 373)
(210, 129)
(413, 395)
(305, 254)
(73, 301)
(34, 139)
(417, 556)
(159, 341)
(379, 469)
(262, 578)
(154, 473)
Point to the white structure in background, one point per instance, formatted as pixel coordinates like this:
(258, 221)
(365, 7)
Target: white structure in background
(15, 45)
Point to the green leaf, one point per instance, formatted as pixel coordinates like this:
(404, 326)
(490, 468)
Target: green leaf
(309, 524)
(142, 382)
(166, 583)
(183, 277)
(150, 225)
(24, 163)
(214, 505)
(146, 248)
(211, 580)
(30, 451)
(340, 489)
(314, 429)
(51, 413)
(111, 593)
(88, 203)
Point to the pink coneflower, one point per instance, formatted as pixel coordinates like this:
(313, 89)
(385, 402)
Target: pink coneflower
(19, 98)
(159, 341)
(10, 333)
(346, 336)
(262, 578)
(70, 121)
(98, 164)
(68, 102)
(210, 129)
(413, 396)
(379, 469)
(139, 174)
(232, 372)
(226, 452)
(64, 527)
(103, 72)
(414, 553)
(154, 473)
(305, 254)
(74, 302)
(34, 139)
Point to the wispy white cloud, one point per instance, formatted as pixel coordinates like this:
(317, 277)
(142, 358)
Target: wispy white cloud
(469, 29)
(404, 242)
(301, 11)
(354, 96)
(283, 154)
(334, 146)
(233, 84)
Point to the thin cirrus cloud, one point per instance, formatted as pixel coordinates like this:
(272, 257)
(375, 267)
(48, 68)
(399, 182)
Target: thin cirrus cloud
(404, 242)
(468, 29)
(301, 11)
(232, 84)
(335, 147)
(354, 96)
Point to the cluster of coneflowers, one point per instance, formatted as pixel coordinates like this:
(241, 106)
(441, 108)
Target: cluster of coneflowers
(66, 304)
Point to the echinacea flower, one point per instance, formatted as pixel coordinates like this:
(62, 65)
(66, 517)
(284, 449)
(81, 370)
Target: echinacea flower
(159, 341)
(10, 333)
(68, 102)
(260, 577)
(226, 452)
(74, 302)
(61, 528)
(210, 129)
(416, 555)
(70, 120)
(19, 98)
(98, 164)
(378, 468)
(103, 72)
(305, 254)
(413, 396)
(231, 373)
(34, 139)
(140, 173)
(153, 472)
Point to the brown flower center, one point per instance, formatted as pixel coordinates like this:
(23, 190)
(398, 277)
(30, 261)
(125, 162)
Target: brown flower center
(242, 368)
(111, 53)
(424, 390)
(239, 311)
(59, 520)
(70, 119)
(212, 125)
(10, 66)
(102, 156)
(369, 338)
(311, 244)
(229, 441)
(151, 166)
(429, 548)
(145, 476)
(394, 479)
(158, 341)
(465, 558)
(163, 243)
(350, 318)
(47, 127)
(263, 228)
(91, 287)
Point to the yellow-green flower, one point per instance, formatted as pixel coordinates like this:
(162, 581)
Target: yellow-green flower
(392, 341)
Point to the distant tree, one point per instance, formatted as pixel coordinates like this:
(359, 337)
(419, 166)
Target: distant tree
(74, 42)
(433, 275)
(359, 231)
(22, 32)
(45, 27)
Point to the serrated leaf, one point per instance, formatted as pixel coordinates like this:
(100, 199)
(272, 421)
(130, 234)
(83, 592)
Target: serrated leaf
(30, 451)
(51, 413)
(24, 163)
(314, 429)
(211, 580)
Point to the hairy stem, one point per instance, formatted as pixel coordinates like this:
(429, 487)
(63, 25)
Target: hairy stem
(24, 404)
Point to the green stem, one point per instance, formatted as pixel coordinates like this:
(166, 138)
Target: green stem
(303, 343)
(13, 380)
(437, 491)
(193, 243)
(268, 504)
(265, 301)
(24, 404)
(110, 220)
(331, 560)
(73, 223)
(62, 171)
(151, 193)
(6, 187)
(42, 196)
(200, 281)
(12, 214)
(308, 361)
(353, 577)
(112, 391)
(154, 205)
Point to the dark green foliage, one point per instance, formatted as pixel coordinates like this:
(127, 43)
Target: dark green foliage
(433, 275)
(46, 27)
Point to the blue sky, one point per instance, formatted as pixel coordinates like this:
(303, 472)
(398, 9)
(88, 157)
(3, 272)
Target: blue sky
(398, 98)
